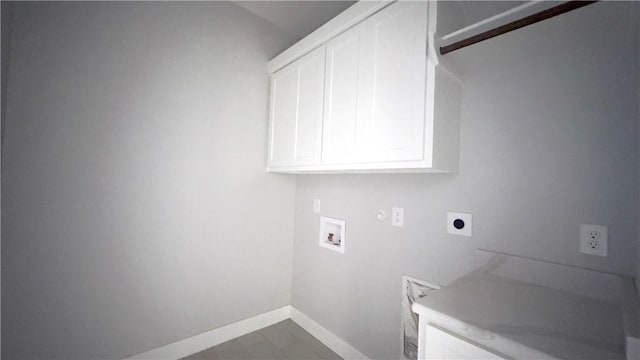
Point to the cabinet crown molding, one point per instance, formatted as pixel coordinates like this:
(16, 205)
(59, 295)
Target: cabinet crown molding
(353, 15)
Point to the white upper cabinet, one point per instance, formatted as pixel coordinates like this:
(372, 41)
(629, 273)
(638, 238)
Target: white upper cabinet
(342, 143)
(385, 102)
(393, 91)
(296, 112)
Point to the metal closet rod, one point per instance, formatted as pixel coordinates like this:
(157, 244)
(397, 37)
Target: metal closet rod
(526, 21)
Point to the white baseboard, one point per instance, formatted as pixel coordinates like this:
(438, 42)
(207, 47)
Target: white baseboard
(325, 336)
(205, 340)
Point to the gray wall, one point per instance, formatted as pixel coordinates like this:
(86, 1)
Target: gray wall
(549, 140)
(637, 13)
(4, 67)
(4, 58)
(136, 210)
(5, 42)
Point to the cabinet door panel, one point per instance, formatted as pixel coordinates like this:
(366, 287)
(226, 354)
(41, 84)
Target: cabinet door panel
(394, 93)
(340, 132)
(296, 112)
(446, 346)
(284, 87)
(310, 101)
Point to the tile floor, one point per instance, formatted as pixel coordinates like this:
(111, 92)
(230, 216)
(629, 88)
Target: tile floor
(285, 340)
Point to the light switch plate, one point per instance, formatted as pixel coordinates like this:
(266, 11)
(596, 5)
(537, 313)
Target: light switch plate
(316, 206)
(459, 224)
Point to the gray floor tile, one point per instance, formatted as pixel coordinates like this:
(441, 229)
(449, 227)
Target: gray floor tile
(278, 336)
(195, 356)
(285, 340)
(320, 349)
(252, 338)
(293, 328)
(232, 350)
(208, 354)
(265, 350)
(313, 344)
(297, 351)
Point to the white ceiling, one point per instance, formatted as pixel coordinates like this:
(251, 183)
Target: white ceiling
(298, 18)
(474, 11)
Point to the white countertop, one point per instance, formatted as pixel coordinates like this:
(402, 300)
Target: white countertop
(525, 320)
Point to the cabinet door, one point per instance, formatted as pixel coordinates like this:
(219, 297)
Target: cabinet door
(444, 345)
(341, 139)
(296, 112)
(393, 92)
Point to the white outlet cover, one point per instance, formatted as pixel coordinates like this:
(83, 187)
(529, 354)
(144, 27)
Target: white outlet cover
(594, 239)
(397, 216)
(468, 223)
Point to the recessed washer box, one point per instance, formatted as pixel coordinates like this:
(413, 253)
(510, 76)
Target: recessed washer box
(332, 234)
(459, 223)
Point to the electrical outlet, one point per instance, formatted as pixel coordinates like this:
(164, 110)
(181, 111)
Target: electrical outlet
(593, 239)
(397, 216)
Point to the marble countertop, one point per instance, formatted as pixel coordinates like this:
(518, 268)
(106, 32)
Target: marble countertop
(524, 320)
